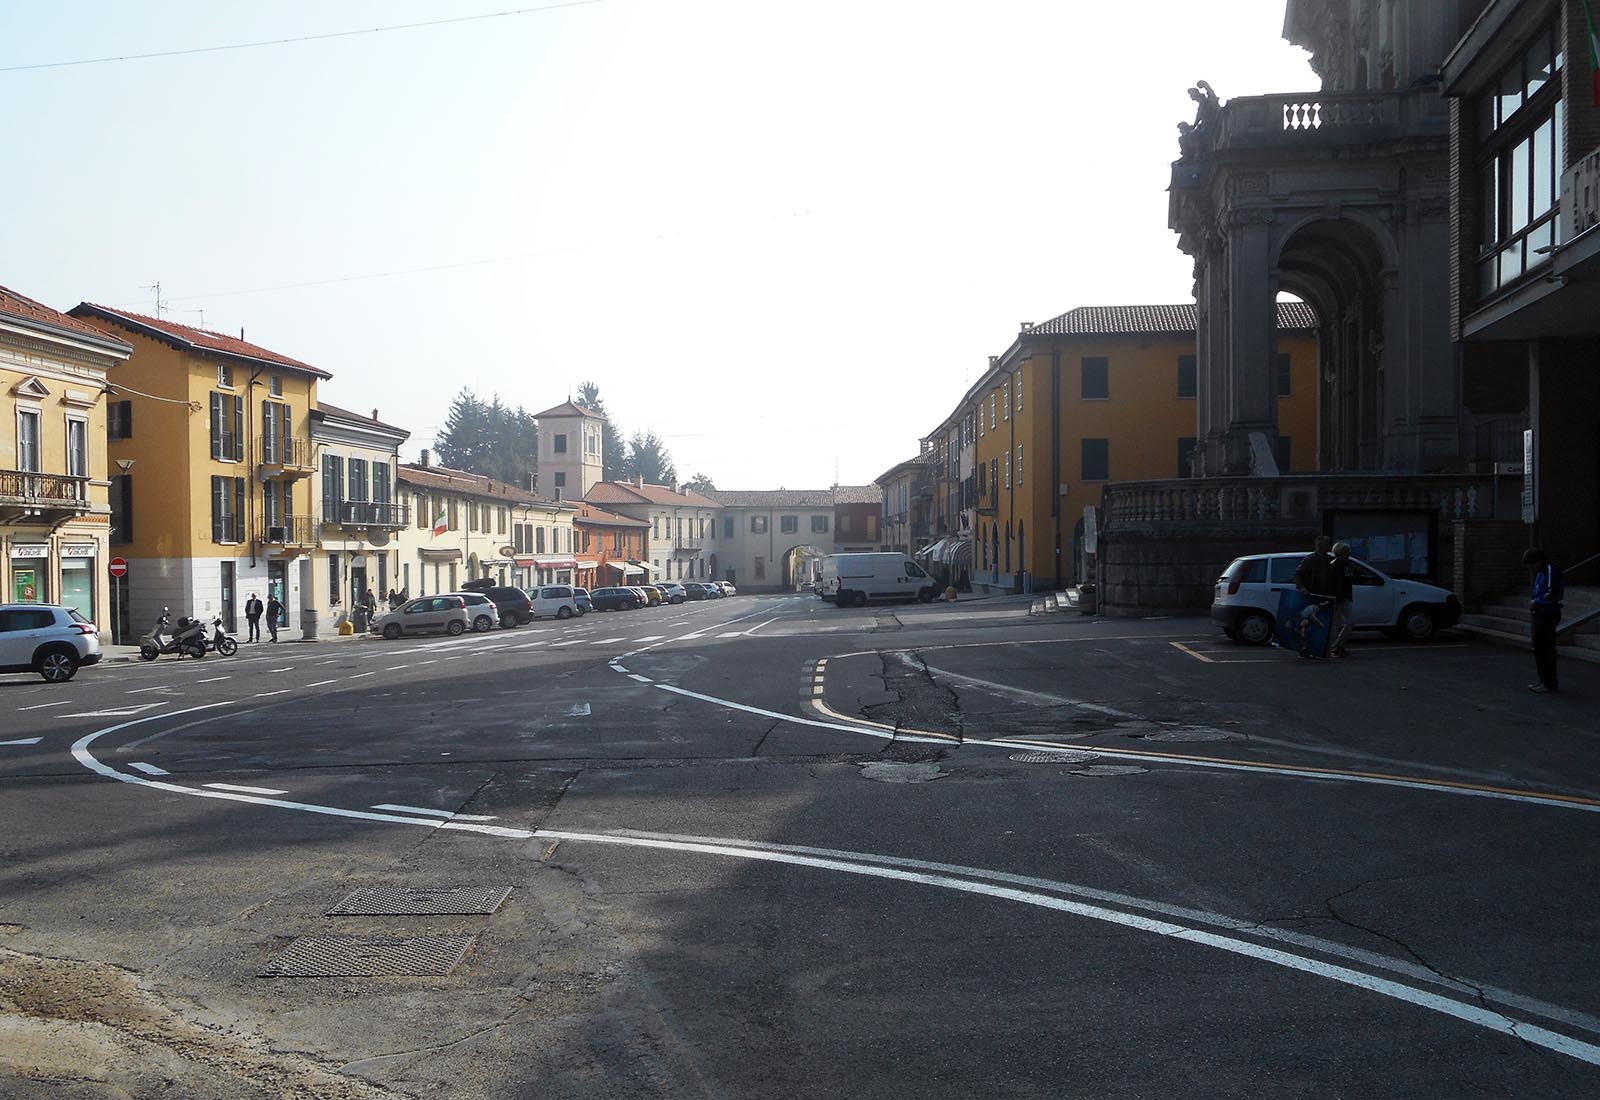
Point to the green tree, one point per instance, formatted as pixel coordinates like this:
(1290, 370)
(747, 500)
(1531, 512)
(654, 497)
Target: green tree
(700, 483)
(649, 458)
(488, 438)
(463, 441)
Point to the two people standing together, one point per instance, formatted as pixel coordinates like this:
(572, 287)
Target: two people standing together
(253, 609)
(1327, 577)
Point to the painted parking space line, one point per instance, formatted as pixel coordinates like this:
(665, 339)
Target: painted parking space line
(148, 769)
(452, 815)
(114, 712)
(1181, 647)
(243, 790)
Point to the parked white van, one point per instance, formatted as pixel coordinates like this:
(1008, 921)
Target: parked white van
(856, 578)
(557, 601)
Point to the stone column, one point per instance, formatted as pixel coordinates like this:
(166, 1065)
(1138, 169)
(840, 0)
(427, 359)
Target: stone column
(1211, 359)
(1252, 316)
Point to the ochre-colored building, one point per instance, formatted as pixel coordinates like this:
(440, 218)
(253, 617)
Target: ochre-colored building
(55, 509)
(612, 549)
(1103, 394)
(212, 466)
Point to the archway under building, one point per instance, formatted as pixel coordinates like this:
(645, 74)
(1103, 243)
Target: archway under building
(801, 565)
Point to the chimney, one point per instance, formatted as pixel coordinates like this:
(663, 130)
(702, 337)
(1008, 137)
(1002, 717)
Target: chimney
(374, 414)
(423, 461)
(673, 485)
(993, 359)
(638, 481)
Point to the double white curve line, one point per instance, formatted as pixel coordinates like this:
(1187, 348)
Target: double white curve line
(1457, 998)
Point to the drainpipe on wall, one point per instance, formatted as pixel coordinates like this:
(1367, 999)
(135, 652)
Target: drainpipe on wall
(250, 470)
(1055, 455)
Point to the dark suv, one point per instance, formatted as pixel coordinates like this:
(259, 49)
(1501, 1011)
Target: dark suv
(513, 604)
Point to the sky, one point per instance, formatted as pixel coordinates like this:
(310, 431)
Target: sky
(785, 237)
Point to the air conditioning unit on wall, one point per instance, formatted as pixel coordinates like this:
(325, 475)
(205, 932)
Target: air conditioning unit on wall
(277, 534)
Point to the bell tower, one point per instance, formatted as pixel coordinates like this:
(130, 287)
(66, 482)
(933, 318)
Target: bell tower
(571, 455)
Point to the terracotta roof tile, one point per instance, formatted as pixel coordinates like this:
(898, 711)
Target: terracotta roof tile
(335, 410)
(446, 480)
(798, 498)
(588, 513)
(626, 492)
(567, 408)
(1153, 320)
(23, 308)
(193, 339)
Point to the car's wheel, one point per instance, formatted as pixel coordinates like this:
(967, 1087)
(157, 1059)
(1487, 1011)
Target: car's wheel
(563, 612)
(1417, 624)
(677, 599)
(925, 596)
(508, 619)
(56, 665)
(482, 624)
(148, 651)
(227, 646)
(391, 631)
(860, 599)
(456, 627)
(1255, 628)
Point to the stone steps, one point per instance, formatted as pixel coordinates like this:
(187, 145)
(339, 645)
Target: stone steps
(1515, 632)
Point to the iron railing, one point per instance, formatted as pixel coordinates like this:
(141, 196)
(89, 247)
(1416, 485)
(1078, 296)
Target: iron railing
(287, 531)
(366, 513)
(42, 490)
(291, 452)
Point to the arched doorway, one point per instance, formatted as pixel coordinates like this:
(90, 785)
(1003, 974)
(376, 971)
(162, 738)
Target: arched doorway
(801, 565)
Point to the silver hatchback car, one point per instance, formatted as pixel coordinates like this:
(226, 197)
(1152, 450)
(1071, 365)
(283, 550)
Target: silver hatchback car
(425, 615)
(49, 639)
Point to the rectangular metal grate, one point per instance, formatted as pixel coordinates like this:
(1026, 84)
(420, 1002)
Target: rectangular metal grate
(421, 901)
(363, 957)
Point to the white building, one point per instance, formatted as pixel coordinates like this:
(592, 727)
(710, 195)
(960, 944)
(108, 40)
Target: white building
(775, 539)
(683, 525)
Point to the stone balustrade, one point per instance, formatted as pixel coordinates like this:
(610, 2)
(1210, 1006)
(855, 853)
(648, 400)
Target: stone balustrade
(1292, 499)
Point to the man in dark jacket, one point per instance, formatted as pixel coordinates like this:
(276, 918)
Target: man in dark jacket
(274, 611)
(1548, 592)
(1314, 579)
(252, 616)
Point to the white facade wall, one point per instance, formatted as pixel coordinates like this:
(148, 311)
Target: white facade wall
(754, 554)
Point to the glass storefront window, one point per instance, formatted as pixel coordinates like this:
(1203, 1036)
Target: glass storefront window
(77, 585)
(28, 576)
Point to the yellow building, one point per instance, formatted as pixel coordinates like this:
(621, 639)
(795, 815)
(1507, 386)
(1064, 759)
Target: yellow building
(1103, 394)
(54, 503)
(210, 437)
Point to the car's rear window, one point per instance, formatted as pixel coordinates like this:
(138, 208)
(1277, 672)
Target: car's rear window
(1247, 571)
(1283, 569)
(77, 618)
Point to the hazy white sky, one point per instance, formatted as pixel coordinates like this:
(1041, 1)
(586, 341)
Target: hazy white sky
(783, 235)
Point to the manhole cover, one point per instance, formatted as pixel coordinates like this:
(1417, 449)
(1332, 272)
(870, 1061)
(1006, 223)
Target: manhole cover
(410, 901)
(1063, 756)
(359, 957)
(1191, 735)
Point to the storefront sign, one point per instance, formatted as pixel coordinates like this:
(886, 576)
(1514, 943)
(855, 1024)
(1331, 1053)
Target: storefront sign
(30, 550)
(78, 550)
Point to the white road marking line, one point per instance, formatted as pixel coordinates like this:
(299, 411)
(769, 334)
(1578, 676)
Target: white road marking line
(432, 662)
(113, 712)
(149, 769)
(323, 683)
(606, 641)
(23, 741)
(853, 863)
(396, 668)
(158, 687)
(41, 706)
(285, 668)
(641, 679)
(457, 657)
(690, 637)
(244, 790)
(577, 710)
(558, 645)
(214, 679)
(732, 634)
(433, 813)
(652, 638)
(269, 694)
(359, 675)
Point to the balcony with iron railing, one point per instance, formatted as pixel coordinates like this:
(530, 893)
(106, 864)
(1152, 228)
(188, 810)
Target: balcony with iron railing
(50, 496)
(282, 456)
(287, 533)
(386, 514)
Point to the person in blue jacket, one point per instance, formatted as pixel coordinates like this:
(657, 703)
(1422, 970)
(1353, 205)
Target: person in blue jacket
(1548, 590)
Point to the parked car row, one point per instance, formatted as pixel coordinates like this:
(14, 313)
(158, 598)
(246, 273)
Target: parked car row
(483, 605)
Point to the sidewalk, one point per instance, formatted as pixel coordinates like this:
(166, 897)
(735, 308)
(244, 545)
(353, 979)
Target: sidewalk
(119, 654)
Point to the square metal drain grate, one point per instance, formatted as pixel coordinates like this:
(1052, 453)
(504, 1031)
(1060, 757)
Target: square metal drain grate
(363, 957)
(421, 901)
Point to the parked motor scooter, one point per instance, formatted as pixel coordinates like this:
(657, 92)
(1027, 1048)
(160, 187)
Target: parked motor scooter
(187, 640)
(220, 642)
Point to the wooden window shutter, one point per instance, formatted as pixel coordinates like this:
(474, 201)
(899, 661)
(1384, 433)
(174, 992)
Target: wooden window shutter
(216, 424)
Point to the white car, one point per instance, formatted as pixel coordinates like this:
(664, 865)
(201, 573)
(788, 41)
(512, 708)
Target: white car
(424, 615)
(49, 639)
(554, 601)
(727, 588)
(1245, 603)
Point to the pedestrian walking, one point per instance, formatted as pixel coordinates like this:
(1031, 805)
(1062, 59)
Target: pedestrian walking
(1314, 579)
(1549, 588)
(1344, 594)
(252, 616)
(370, 602)
(274, 610)
(394, 599)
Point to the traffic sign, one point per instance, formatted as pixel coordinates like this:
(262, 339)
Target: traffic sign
(119, 567)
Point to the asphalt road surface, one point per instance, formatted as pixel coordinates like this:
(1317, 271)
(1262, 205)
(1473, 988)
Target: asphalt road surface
(762, 847)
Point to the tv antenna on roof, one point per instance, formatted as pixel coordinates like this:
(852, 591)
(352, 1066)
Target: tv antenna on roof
(202, 314)
(160, 302)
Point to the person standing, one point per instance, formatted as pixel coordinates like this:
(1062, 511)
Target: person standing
(274, 610)
(1548, 591)
(1344, 592)
(1313, 579)
(252, 616)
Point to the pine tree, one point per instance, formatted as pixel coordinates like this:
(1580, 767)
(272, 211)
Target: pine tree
(649, 458)
(613, 448)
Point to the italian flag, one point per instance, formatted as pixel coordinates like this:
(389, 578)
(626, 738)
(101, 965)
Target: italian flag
(1594, 51)
(440, 523)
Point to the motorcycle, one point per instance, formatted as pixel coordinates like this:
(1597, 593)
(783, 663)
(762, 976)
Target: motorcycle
(220, 642)
(187, 640)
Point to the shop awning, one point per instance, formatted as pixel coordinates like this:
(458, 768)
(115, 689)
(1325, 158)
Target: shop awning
(588, 565)
(644, 567)
(525, 561)
(958, 551)
(555, 562)
(931, 551)
(438, 553)
(628, 568)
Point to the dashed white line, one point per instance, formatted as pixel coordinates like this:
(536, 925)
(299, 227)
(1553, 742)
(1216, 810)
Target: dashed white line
(158, 687)
(359, 675)
(605, 641)
(690, 637)
(41, 706)
(323, 683)
(214, 679)
(269, 694)
(148, 769)
(652, 638)
(641, 679)
(285, 668)
(244, 790)
(557, 645)
(432, 813)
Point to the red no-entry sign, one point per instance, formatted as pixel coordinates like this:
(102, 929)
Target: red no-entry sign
(119, 567)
